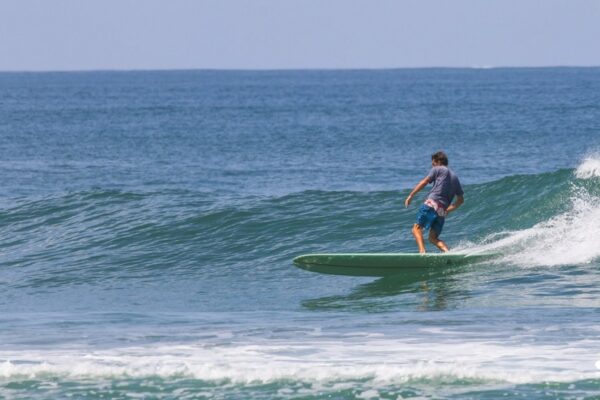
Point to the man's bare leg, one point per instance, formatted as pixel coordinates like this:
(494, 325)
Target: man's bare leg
(418, 233)
(433, 238)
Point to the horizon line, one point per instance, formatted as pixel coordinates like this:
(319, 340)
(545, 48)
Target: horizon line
(292, 69)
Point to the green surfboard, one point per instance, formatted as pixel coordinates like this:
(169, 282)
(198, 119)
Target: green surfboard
(383, 264)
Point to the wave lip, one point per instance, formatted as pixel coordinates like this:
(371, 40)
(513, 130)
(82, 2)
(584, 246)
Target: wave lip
(589, 168)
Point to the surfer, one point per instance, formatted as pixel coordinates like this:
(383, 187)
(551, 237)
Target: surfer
(438, 204)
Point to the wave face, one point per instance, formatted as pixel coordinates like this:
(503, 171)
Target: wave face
(148, 222)
(102, 237)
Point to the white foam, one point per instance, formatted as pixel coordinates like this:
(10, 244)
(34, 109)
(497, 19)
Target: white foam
(381, 361)
(569, 238)
(589, 168)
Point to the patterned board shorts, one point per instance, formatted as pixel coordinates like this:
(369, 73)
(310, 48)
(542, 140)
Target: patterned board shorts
(428, 218)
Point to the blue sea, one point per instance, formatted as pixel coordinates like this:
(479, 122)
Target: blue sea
(148, 222)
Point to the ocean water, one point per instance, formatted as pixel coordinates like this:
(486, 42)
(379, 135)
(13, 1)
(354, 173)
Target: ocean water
(148, 221)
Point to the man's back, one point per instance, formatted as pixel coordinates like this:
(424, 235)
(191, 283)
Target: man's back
(446, 185)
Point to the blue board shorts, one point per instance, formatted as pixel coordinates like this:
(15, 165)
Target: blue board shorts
(427, 218)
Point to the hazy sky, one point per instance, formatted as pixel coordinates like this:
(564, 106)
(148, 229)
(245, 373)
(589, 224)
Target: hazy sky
(272, 34)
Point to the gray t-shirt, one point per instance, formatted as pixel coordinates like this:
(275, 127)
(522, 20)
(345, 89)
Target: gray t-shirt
(445, 185)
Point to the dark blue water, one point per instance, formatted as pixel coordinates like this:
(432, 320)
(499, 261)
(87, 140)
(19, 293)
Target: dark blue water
(148, 221)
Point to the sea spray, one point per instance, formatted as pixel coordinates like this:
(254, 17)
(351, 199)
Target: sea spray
(568, 238)
(589, 168)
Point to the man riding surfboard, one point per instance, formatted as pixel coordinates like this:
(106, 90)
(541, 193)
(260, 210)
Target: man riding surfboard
(432, 214)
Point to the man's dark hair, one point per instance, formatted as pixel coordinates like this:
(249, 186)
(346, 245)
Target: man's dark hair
(440, 157)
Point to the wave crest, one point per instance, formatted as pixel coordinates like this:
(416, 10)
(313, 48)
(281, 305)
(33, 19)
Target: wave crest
(589, 168)
(569, 237)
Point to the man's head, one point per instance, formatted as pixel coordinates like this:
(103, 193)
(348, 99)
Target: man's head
(439, 158)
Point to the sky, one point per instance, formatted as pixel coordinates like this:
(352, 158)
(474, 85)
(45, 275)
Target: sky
(49, 35)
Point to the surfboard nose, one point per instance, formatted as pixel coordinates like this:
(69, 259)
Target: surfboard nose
(301, 260)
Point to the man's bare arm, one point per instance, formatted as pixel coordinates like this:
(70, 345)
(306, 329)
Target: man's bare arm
(424, 182)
